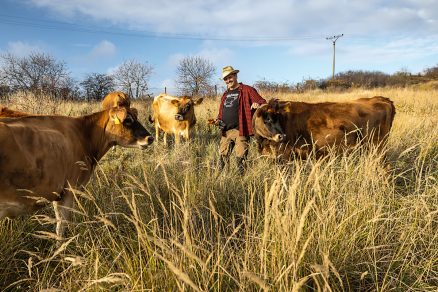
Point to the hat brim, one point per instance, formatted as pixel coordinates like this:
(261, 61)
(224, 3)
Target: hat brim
(232, 72)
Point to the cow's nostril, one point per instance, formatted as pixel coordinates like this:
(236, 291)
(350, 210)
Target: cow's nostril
(150, 139)
(280, 137)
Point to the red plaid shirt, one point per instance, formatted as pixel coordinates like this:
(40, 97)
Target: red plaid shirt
(247, 96)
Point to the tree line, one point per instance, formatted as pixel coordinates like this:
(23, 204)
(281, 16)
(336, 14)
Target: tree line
(44, 75)
(353, 79)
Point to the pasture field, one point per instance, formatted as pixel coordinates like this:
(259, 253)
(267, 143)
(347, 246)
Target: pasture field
(166, 219)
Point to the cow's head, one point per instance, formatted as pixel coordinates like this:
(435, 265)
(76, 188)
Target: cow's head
(125, 130)
(267, 121)
(185, 106)
(115, 99)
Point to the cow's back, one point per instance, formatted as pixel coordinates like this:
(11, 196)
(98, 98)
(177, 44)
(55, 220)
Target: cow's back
(343, 123)
(6, 112)
(34, 162)
(164, 113)
(380, 114)
(30, 158)
(34, 148)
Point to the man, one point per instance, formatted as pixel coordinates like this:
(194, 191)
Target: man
(235, 117)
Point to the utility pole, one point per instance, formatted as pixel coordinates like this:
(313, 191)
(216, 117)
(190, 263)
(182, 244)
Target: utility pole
(334, 39)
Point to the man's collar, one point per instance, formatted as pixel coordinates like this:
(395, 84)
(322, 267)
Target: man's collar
(238, 86)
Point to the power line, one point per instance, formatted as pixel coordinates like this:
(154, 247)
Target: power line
(53, 25)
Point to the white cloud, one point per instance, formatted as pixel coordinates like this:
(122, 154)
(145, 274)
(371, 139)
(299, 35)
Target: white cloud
(311, 48)
(104, 49)
(174, 59)
(23, 49)
(168, 83)
(218, 56)
(376, 32)
(112, 70)
(365, 49)
(256, 18)
(396, 50)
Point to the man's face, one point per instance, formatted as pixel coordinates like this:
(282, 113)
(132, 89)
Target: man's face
(231, 81)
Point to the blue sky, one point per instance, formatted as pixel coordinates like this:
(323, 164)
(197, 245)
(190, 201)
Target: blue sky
(277, 40)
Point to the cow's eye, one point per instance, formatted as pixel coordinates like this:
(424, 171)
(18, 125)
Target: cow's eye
(128, 121)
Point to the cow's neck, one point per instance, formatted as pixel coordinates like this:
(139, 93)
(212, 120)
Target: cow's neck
(97, 143)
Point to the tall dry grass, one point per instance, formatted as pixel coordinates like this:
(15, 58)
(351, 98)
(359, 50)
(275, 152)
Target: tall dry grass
(167, 219)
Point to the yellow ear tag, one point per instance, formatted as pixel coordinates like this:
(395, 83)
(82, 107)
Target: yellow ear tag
(116, 121)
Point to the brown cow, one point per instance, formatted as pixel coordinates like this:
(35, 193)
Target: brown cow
(294, 128)
(173, 115)
(115, 99)
(42, 156)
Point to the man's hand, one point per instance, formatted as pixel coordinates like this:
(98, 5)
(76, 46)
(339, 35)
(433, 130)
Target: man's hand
(255, 105)
(221, 124)
(218, 123)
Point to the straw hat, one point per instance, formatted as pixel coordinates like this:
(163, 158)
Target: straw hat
(227, 70)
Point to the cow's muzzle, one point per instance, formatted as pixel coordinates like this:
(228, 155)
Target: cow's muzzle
(279, 137)
(145, 142)
(179, 117)
(149, 139)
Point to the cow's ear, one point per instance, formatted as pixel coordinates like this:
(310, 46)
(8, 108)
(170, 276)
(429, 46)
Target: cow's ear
(287, 107)
(124, 100)
(118, 115)
(134, 112)
(259, 112)
(198, 101)
(175, 102)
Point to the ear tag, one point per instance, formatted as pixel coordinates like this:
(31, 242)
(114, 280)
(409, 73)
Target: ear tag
(116, 121)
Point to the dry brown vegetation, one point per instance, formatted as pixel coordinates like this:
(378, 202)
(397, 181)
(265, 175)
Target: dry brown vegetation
(167, 219)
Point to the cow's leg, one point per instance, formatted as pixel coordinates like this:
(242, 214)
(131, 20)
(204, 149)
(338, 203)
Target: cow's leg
(14, 209)
(186, 135)
(62, 211)
(157, 131)
(177, 138)
(21, 205)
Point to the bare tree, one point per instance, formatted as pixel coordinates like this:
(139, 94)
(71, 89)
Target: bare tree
(431, 72)
(4, 91)
(97, 86)
(69, 89)
(195, 76)
(39, 73)
(132, 77)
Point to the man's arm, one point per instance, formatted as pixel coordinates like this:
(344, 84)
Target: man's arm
(255, 98)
